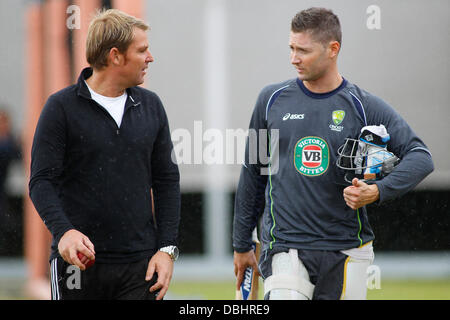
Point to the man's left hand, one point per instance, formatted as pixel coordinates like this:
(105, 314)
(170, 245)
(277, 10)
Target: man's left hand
(162, 264)
(360, 194)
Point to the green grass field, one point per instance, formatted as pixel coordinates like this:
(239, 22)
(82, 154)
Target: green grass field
(390, 290)
(438, 289)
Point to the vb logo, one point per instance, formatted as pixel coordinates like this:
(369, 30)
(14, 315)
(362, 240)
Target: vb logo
(312, 156)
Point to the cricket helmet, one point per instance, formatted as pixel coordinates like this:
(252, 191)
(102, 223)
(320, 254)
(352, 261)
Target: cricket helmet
(367, 157)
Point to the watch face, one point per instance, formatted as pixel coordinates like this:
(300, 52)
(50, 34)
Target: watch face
(172, 251)
(175, 253)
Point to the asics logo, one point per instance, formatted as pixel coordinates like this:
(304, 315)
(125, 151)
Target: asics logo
(289, 116)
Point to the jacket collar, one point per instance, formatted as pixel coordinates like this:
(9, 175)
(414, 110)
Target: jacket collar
(83, 91)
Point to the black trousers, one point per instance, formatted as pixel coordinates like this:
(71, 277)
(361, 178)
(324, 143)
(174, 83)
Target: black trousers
(118, 281)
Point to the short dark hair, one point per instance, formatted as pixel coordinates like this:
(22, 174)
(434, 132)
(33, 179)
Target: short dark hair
(323, 24)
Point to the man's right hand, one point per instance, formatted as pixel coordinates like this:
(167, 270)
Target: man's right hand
(241, 262)
(73, 242)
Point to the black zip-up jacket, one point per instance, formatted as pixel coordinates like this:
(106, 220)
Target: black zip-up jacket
(90, 175)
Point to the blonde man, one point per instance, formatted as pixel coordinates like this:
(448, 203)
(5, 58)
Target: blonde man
(99, 148)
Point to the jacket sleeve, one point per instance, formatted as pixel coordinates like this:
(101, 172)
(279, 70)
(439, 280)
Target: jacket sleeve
(165, 185)
(415, 159)
(250, 199)
(47, 161)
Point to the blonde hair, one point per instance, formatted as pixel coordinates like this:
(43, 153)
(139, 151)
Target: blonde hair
(109, 29)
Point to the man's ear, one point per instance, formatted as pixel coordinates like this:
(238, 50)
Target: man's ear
(334, 48)
(115, 57)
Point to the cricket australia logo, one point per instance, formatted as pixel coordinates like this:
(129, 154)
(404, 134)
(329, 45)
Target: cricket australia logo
(311, 156)
(337, 116)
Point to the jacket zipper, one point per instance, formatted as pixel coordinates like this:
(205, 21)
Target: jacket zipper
(109, 115)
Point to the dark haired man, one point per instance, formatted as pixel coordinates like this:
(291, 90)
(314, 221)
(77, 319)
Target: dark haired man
(316, 237)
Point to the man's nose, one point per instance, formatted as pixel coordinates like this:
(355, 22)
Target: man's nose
(149, 57)
(295, 58)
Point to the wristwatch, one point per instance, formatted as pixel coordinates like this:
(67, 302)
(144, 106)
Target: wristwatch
(172, 251)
